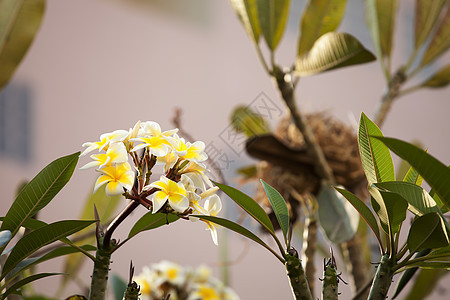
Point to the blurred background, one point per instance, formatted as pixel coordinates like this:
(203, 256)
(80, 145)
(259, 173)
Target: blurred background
(97, 66)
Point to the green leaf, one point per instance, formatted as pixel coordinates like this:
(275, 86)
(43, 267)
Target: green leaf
(19, 22)
(331, 51)
(151, 221)
(272, 16)
(412, 176)
(5, 236)
(427, 13)
(380, 18)
(364, 211)
(39, 192)
(27, 280)
(247, 172)
(433, 171)
(427, 232)
(39, 238)
(234, 227)
(440, 41)
(425, 283)
(279, 207)
(248, 204)
(408, 274)
(390, 208)
(439, 202)
(440, 79)
(61, 251)
(336, 215)
(430, 265)
(319, 17)
(375, 156)
(245, 120)
(419, 201)
(119, 286)
(247, 12)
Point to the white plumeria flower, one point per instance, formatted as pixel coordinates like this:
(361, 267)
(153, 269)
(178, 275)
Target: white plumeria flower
(212, 207)
(158, 143)
(105, 140)
(168, 160)
(116, 154)
(116, 178)
(229, 294)
(170, 191)
(204, 292)
(132, 134)
(189, 151)
(170, 272)
(197, 172)
(201, 274)
(146, 282)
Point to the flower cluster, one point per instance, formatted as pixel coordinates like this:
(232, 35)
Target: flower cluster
(126, 160)
(181, 283)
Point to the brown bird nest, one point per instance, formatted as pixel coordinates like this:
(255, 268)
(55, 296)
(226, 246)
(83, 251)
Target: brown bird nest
(288, 167)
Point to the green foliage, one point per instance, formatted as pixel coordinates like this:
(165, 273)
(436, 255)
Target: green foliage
(249, 205)
(272, 16)
(375, 156)
(425, 283)
(319, 17)
(426, 15)
(19, 23)
(427, 232)
(39, 192)
(440, 41)
(151, 221)
(433, 171)
(412, 176)
(337, 217)
(118, 286)
(26, 280)
(39, 238)
(5, 236)
(364, 211)
(245, 120)
(390, 208)
(380, 17)
(279, 208)
(247, 12)
(440, 79)
(331, 51)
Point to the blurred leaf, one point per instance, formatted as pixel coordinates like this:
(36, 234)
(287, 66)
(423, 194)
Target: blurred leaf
(248, 204)
(319, 17)
(19, 22)
(39, 238)
(440, 79)
(337, 216)
(151, 221)
(375, 156)
(439, 202)
(408, 274)
(425, 283)
(61, 251)
(279, 207)
(412, 176)
(331, 51)
(419, 201)
(433, 171)
(364, 211)
(27, 280)
(430, 265)
(118, 286)
(427, 232)
(5, 236)
(390, 208)
(380, 17)
(39, 192)
(427, 13)
(245, 120)
(440, 41)
(247, 12)
(247, 171)
(234, 227)
(107, 206)
(272, 16)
